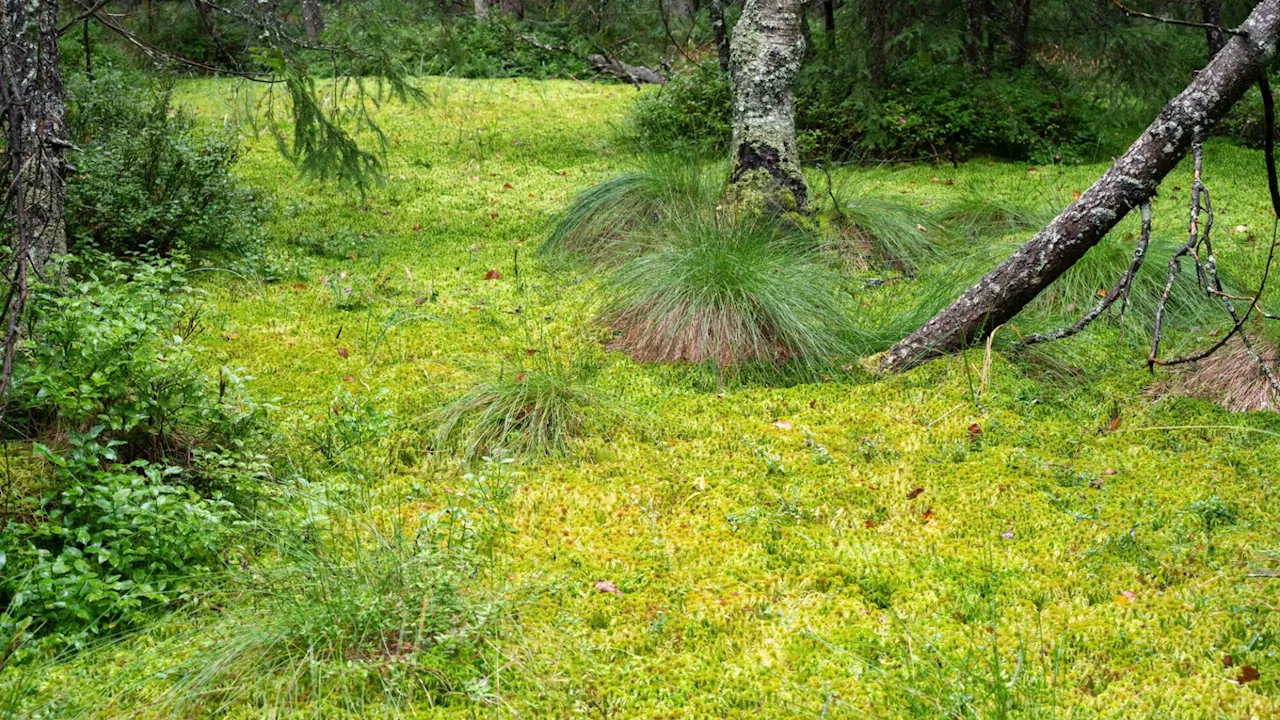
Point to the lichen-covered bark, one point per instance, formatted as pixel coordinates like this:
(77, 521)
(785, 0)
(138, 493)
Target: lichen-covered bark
(1130, 182)
(481, 8)
(715, 8)
(764, 57)
(28, 30)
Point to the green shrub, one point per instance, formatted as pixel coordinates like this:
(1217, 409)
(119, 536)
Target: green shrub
(150, 178)
(928, 110)
(691, 112)
(145, 454)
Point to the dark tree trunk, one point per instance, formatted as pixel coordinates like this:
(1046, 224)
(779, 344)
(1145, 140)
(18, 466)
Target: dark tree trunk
(514, 8)
(719, 32)
(1211, 13)
(312, 20)
(765, 58)
(680, 9)
(1132, 180)
(1018, 27)
(29, 31)
(829, 23)
(974, 11)
(879, 19)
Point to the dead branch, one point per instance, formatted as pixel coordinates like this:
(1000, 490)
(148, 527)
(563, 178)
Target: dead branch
(634, 74)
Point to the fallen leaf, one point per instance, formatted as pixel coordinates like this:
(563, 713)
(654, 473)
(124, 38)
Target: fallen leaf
(508, 186)
(417, 228)
(1075, 195)
(301, 286)
(1007, 534)
(813, 404)
(1248, 674)
(522, 377)
(783, 425)
(1242, 228)
(605, 586)
(975, 431)
(1102, 292)
(868, 524)
(530, 352)
(1227, 661)
(935, 179)
(531, 195)
(915, 493)
(1111, 427)
(928, 515)
(1032, 170)
(493, 275)
(348, 378)
(230, 336)
(342, 353)
(1109, 471)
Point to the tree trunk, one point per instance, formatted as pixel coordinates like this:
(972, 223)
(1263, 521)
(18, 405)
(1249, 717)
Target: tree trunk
(29, 31)
(973, 31)
(1211, 13)
(1018, 27)
(829, 23)
(481, 9)
(514, 8)
(312, 20)
(718, 31)
(879, 19)
(765, 57)
(1132, 180)
(680, 9)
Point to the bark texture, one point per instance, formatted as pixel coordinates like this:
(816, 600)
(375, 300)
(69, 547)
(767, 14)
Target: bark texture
(1019, 24)
(29, 31)
(716, 9)
(634, 74)
(312, 19)
(880, 32)
(514, 8)
(765, 55)
(1129, 183)
(481, 8)
(1211, 13)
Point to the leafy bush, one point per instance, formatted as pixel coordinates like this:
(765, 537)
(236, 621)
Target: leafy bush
(150, 179)
(146, 454)
(928, 110)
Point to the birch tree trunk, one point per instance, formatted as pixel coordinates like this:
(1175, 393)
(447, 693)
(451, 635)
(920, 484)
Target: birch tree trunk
(30, 70)
(481, 9)
(312, 20)
(764, 58)
(1129, 182)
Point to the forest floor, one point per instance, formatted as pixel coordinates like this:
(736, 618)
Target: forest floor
(1047, 537)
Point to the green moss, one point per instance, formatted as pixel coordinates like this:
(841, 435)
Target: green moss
(837, 585)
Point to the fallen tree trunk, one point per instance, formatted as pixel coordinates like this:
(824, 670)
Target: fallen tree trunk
(633, 74)
(1129, 183)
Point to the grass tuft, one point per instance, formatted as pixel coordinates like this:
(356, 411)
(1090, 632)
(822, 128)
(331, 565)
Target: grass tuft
(885, 232)
(727, 293)
(974, 215)
(603, 219)
(529, 413)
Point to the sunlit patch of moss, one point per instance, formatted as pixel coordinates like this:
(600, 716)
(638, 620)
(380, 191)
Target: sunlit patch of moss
(1051, 554)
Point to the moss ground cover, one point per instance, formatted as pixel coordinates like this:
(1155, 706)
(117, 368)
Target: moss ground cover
(1046, 537)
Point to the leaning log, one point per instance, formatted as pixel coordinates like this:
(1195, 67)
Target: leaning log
(1129, 183)
(634, 74)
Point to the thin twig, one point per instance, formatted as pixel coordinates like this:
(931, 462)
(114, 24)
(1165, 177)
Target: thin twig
(1120, 289)
(1175, 21)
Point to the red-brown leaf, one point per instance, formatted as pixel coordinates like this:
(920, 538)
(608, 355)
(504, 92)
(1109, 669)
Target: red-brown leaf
(605, 586)
(915, 493)
(342, 353)
(1248, 674)
(493, 275)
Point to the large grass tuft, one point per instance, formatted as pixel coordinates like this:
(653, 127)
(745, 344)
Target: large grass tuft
(883, 231)
(727, 293)
(603, 219)
(529, 413)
